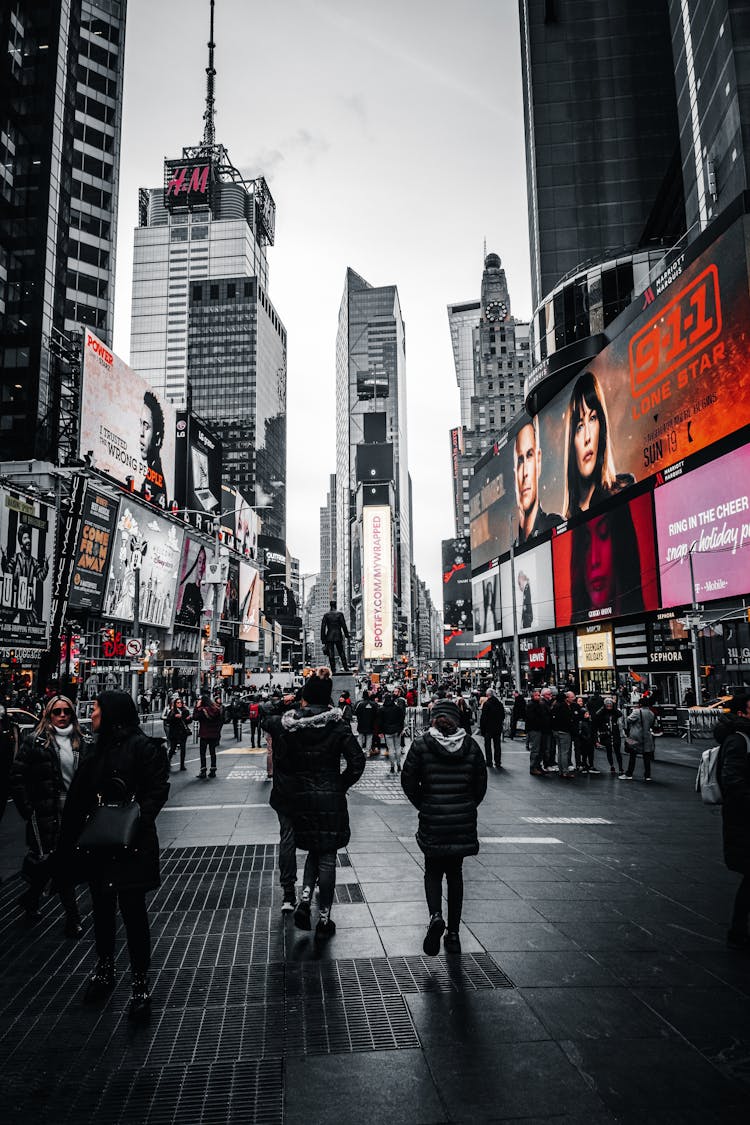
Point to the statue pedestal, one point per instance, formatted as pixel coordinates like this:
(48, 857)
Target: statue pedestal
(342, 681)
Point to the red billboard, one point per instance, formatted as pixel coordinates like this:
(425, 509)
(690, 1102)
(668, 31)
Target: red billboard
(666, 387)
(606, 567)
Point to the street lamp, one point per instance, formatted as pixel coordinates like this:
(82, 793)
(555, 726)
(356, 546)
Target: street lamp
(695, 621)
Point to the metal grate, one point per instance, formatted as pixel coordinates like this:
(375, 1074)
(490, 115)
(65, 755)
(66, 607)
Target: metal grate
(348, 892)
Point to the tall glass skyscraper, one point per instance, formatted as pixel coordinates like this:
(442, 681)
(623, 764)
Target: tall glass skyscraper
(61, 74)
(371, 446)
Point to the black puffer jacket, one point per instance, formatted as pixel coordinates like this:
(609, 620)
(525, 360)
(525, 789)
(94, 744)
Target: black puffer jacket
(538, 716)
(391, 717)
(446, 787)
(313, 741)
(36, 786)
(492, 716)
(364, 713)
(734, 779)
(142, 763)
(282, 782)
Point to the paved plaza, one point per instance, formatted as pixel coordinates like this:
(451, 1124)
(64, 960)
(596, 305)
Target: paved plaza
(594, 985)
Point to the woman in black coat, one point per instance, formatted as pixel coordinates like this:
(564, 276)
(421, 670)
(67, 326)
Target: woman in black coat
(733, 735)
(445, 778)
(309, 743)
(42, 775)
(125, 763)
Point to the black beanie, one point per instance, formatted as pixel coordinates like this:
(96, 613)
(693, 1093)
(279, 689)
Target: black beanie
(317, 690)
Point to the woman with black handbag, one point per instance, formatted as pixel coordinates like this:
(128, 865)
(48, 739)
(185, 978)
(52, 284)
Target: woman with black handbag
(127, 766)
(41, 777)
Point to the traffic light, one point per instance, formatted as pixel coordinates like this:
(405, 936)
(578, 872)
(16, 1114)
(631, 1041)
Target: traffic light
(207, 630)
(707, 669)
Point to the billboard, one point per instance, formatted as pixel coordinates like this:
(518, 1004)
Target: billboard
(239, 523)
(143, 537)
(459, 644)
(127, 431)
(708, 509)
(485, 598)
(197, 490)
(535, 599)
(187, 184)
(596, 649)
(27, 551)
(666, 387)
(194, 594)
(249, 615)
(229, 599)
(377, 582)
(456, 583)
(606, 567)
(93, 551)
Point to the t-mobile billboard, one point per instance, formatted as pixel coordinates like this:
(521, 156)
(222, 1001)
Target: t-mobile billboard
(127, 431)
(377, 584)
(707, 510)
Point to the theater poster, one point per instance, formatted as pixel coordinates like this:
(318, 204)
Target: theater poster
(147, 549)
(670, 384)
(27, 551)
(93, 550)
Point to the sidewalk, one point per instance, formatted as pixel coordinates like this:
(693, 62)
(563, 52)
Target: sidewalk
(594, 984)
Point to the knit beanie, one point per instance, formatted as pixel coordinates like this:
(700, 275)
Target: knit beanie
(447, 708)
(318, 688)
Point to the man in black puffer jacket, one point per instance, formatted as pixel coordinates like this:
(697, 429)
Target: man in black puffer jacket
(733, 735)
(308, 744)
(445, 778)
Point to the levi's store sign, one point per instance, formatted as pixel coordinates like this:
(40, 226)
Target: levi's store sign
(537, 658)
(187, 184)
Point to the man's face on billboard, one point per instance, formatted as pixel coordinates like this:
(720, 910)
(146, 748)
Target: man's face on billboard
(528, 463)
(25, 543)
(148, 442)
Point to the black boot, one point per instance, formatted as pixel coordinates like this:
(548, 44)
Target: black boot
(73, 927)
(140, 1001)
(101, 982)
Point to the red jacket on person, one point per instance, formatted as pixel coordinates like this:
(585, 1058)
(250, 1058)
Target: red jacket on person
(210, 717)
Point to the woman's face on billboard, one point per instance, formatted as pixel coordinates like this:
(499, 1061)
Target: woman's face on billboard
(586, 440)
(598, 564)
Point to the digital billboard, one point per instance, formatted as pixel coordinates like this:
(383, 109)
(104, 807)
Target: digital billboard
(249, 616)
(707, 509)
(456, 583)
(93, 550)
(197, 490)
(535, 600)
(459, 644)
(187, 184)
(27, 551)
(229, 599)
(485, 599)
(239, 523)
(666, 387)
(127, 431)
(143, 539)
(377, 582)
(194, 594)
(606, 567)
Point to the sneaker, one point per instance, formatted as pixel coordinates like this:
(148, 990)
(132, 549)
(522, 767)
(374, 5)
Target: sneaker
(625, 777)
(431, 943)
(302, 915)
(452, 943)
(592, 770)
(647, 779)
(325, 928)
(289, 902)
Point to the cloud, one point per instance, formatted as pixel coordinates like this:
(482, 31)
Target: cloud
(303, 145)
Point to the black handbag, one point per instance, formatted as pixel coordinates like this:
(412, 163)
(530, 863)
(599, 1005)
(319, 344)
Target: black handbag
(111, 829)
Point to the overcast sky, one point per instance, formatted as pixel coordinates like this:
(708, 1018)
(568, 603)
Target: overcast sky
(391, 135)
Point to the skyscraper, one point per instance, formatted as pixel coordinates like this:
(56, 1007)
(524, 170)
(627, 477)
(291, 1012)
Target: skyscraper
(373, 502)
(61, 73)
(204, 331)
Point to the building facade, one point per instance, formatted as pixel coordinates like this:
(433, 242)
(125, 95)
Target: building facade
(372, 469)
(61, 76)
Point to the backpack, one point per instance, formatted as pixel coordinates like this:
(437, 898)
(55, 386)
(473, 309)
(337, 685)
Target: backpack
(707, 778)
(254, 711)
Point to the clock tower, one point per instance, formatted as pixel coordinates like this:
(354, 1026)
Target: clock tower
(495, 296)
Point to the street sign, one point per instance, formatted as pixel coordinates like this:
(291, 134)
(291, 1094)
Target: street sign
(212, 646)
(136, 667)
(134, 647)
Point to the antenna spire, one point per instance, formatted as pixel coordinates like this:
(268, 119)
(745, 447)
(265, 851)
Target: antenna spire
(209, 132)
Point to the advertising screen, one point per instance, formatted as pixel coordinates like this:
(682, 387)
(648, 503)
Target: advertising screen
(194, 594)
(93, 551)
(143, 537)
(535, 600)
(456, 583)
(239, 523)
(606, 567)
(377, 584)
(187, 184)
(666, 387)
(459, 644)
(127, 431)
(27, 551)
(596, 650)
(229, 599)
(708, 507)
(485, 598)
(197, 471)
(249, 616)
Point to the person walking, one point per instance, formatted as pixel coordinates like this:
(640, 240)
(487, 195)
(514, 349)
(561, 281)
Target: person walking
(518, 712)
(281, 801)
(537, 726)
(178, 729)
(639, 739)
(125, 763)
(253, 710)
(491, 722)
(314, 738)
(609, 729)
(732, 732)
(236, 712)
(549, 742)
(364, 713)
(445, 778)
(464, 711)
(391, 719)
(41, 777)
(209, 715)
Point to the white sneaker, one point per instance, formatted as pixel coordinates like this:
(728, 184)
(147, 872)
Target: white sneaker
(594, 771)
(625, 777)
